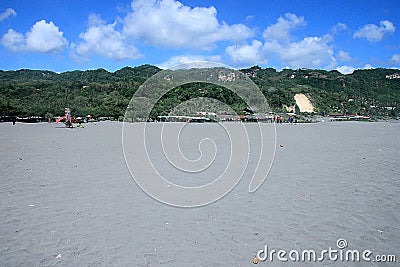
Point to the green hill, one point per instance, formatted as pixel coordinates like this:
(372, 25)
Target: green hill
(374, 92)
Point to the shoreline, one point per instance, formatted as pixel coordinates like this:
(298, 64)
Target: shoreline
(61, 125)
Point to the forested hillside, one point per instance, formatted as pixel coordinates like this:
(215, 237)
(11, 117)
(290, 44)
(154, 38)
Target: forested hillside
(374, 92)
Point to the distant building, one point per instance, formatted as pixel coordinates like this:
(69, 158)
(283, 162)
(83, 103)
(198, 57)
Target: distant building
(223, 76)
(393, 76)
(227, 117)
(168, 77)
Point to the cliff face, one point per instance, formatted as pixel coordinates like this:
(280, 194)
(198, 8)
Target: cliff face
(304, 103)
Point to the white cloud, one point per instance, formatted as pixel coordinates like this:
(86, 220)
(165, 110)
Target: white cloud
(13, 40)
(248, 54)
(281, 29)
(344, 56)
(249, 18)
(367, 67)
(169, 23)
(185, 59)
(311, 52)
(43, 37)
(346, 69)
(339, 27)
(374, 33)
(7, 13)
(279, 46)
(103, 39)
(162, 23)
(395, 59)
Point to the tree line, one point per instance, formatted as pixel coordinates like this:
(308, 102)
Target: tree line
(102, 93)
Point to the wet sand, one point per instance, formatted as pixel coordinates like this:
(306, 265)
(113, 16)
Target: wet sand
(67, 199)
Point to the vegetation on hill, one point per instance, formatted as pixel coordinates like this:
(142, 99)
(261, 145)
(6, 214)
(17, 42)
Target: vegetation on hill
(102, 93)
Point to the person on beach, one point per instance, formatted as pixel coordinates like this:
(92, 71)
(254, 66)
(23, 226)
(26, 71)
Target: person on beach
(68, 118)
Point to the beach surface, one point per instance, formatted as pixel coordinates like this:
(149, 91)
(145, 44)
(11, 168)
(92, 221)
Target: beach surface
(68, 199)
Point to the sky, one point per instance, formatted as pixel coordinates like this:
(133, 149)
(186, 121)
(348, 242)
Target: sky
(61, 35)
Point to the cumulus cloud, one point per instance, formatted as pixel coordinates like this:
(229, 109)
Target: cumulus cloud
(280, 44)
(169, 23)
(311, 52)
(43, 37)
(374, 33)
(9, 12)
(14, 41)
(194, 60)
(103, 39)
(161, 23)
(346, 69)
(280, 31)
(248, 54)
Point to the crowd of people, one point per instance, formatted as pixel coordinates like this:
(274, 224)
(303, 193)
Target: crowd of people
(279, 119)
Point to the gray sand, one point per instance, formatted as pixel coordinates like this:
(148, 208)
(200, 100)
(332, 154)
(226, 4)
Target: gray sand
(67, 199)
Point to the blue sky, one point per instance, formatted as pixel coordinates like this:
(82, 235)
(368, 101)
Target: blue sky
(61, 35)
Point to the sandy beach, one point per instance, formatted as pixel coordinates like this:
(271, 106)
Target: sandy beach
(67, 199)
